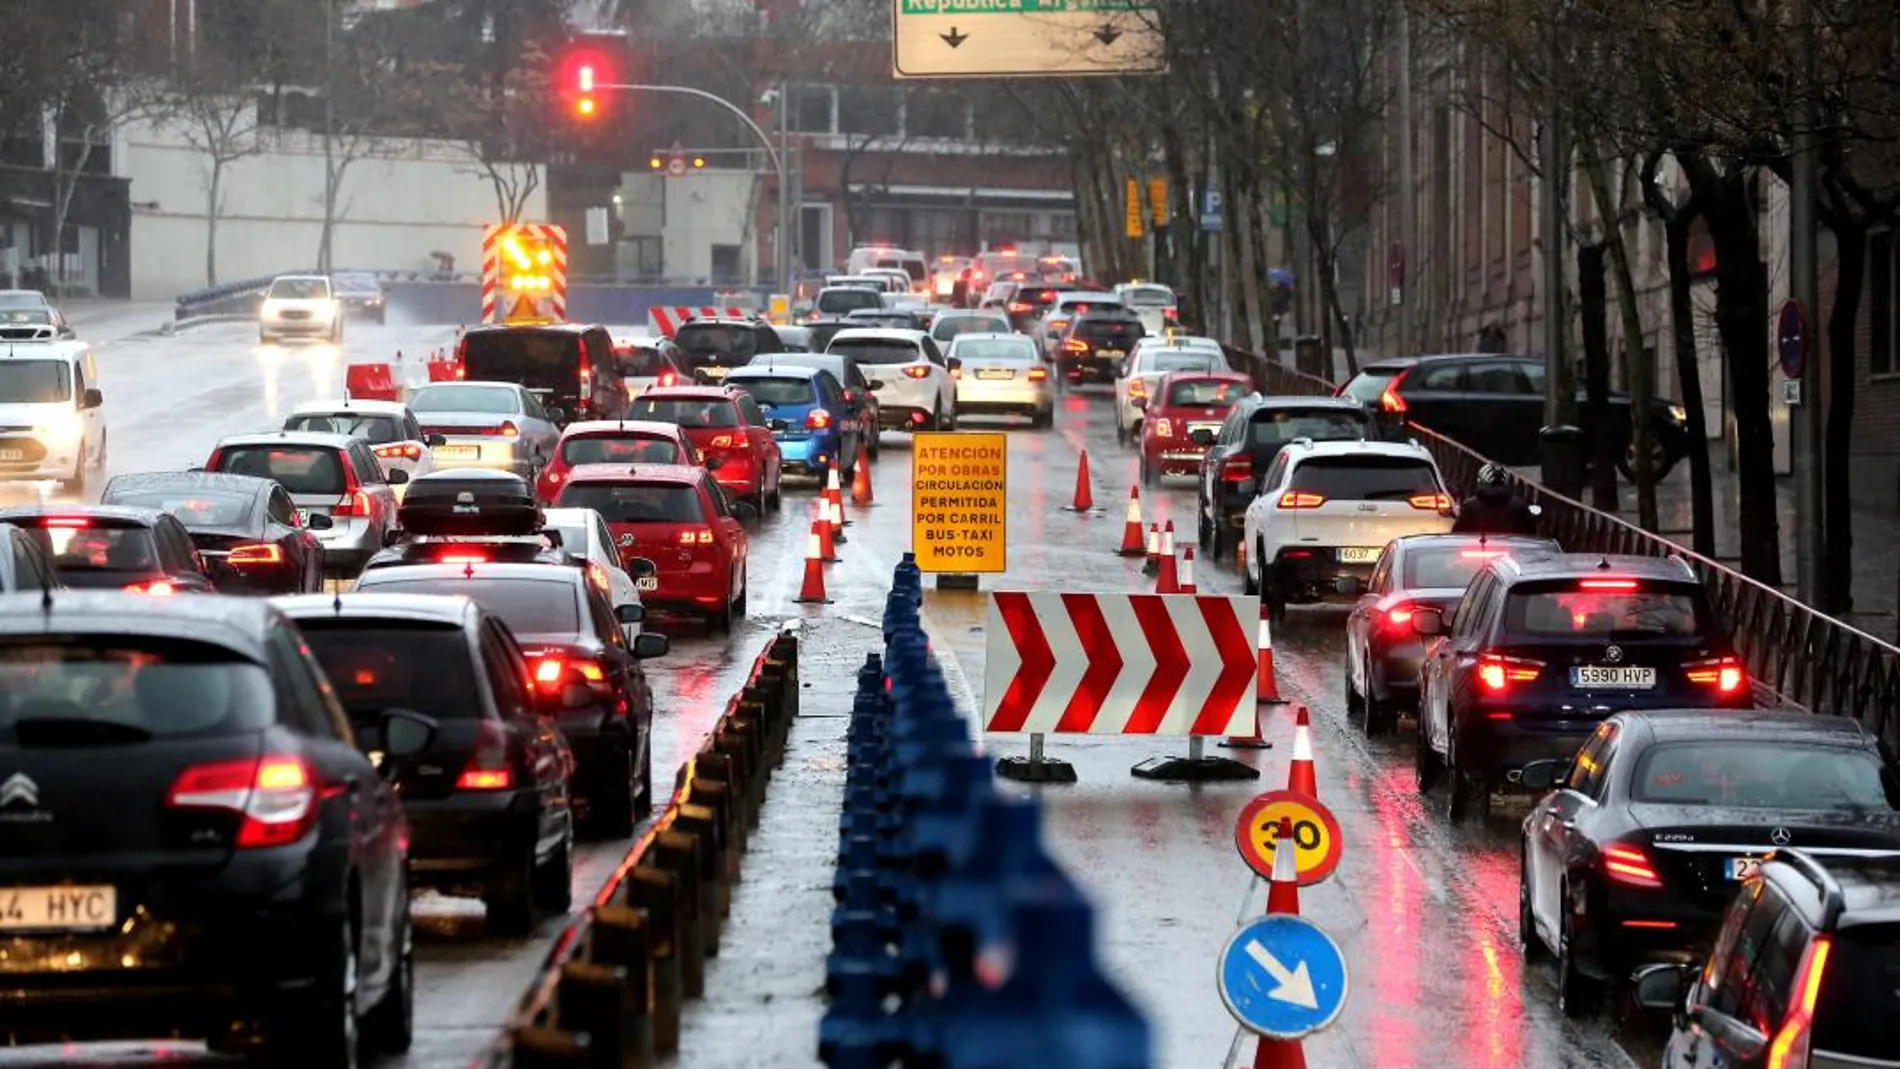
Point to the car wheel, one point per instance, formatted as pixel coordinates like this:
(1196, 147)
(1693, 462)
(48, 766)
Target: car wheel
(643, 808)
(1577, 994)
(1355, 705)
(1659, 460)
(739, 607)
(1044, 419)
(612, 815)
(1470, 792)
(554, 880)
(77, 484)
(321, 1033)
(1147, 473)
(391, 1025)
(1425, 770)
(510, 897)
(776, 498)
(1121, 434)
(1250, 586)
(1528, 943)
(875, 442)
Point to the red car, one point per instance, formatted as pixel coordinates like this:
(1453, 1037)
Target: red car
(1185, 404)
(678, 518)
(624, 441)
(730, 431)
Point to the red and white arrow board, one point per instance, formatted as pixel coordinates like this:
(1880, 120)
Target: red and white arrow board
(1120, 664)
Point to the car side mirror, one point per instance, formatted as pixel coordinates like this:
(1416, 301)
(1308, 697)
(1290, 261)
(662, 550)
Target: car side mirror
(554, 538)
(1543, 775)
(630, 614)
(391, 537)
(643, 569)
(397, 477)
(1428, 622)
(1139, 402)
(954, 363)
(92, 399)
(745, 511)
(651, 644)
(1350, 585)
(319, 522)
(715, 463)
(434, 440)
(1202, 437)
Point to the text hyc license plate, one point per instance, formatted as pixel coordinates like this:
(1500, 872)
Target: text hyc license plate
(647, 582)
(458, 452)
(1358, 554)
(1612, 678)
(58, 908)
(1741, 868)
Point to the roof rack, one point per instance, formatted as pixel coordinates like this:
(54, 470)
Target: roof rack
(1833, 898)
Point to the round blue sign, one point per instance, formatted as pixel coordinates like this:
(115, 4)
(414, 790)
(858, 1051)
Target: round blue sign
(1283, 978)
(1791, 340)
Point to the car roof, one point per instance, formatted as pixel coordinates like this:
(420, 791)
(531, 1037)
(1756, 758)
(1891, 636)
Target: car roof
(1670, 725)
(471, 475)
(774, 371)
(568, 517)
(241, 625)
(197, 480)
(1397, 363)
(690, 393)
(351, 404)
(720, 321)
(1618, 565)
(530, 328)
(611, 426)
(569, 576)
(1426, 541)
(459, 609)
(881, 334)
(320, 438)
(676, 474)
(68, 349)
(1304, 449)
(125, 513)
(994, 335)
(1281, 400)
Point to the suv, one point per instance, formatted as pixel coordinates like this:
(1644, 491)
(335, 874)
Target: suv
(332, 475)
(1326, 511)
(571, 369)
(1062, 309)
(1802, 974)
(710, 348)
(1096, 343)
(915, 391)
(1249, 439)
(1541, 649)
(52, 419)
(300, 304)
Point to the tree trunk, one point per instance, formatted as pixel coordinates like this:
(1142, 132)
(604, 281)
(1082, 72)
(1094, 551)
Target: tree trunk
(1247, 234)
(1837, 559)
(212, 189)
(1593, 308)
(65, 183)
(1689, 381)
(1639, 363)
(1186, 267)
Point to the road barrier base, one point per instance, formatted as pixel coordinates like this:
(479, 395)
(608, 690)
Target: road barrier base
(1194, 770)
(958, 582)
(1245, 744)
(1035, 767)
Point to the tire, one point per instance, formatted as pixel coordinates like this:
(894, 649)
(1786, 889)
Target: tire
(876, 440)
(554, 881)
(615, 813)
(1121, 434)
(721, 620)
(643, 808)
(1147, 474)
(1355, 705)
(321, 1032)
(390, 1026)
(739, 607)
(1249, 586)
(1528, 944)
(77, 484)
(762, 499)
(510, 898)
(1659, 460)
(1469, 794)
(1577, 994)
(1044, 419)
(1204, 532)
(1425, 764)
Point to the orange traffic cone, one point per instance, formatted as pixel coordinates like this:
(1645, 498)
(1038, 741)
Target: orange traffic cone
(1165, 581)
(813, 589)
(1283, 899)
(1084, 498)
(821, 522)
(861, 478)
(834, 504)
(1186, 585)
(1131, 529)
(1300, 777)
(1268, 689)
(1153, 550)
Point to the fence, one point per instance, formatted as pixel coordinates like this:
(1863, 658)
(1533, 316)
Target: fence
(1798, 656)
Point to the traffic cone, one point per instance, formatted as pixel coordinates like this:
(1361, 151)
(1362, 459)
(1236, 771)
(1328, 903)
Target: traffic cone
(1084, 498)
(1300, 777)
(1131, 529)
(813, 589)
(1283, 890)
(1165, 580)
(1268, 689)
(1153, 550)
(1186, 586)
(861, 478)
(834, 503)
(821, 522)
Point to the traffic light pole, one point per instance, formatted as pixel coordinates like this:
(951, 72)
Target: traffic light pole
(778, 161)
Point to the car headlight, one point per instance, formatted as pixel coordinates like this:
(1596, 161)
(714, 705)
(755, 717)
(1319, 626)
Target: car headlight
(64, 432)
(1679, 413)
(270, 307)
(326, 310)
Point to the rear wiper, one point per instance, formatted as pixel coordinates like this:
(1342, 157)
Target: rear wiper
(61, 731)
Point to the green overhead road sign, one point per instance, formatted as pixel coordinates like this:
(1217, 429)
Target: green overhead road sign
(1024, 38)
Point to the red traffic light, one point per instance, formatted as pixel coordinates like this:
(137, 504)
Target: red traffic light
(579, 75)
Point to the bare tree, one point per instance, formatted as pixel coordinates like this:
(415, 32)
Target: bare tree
(215, 114)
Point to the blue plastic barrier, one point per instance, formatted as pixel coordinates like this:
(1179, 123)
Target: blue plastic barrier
(957, 941)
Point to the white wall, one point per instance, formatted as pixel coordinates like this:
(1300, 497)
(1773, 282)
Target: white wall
(397, 203)
(691, 214)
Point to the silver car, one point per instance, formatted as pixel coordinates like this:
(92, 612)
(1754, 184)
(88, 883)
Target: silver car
(1002, 373)
(332, 475)
(1143, 370)
(496, 425)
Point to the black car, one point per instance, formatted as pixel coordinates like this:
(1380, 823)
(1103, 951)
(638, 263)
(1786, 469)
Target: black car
(1803, 974)
(1031, 300)
(1255, 431)
(1494, 404)
(488, 801)
(821, 331)
(1413, 572)
(115, 547)
(1542, 649)
(246, 528)
(709, 348)
(1095, 343)
(1633, 856)
(193, 844)
(361, 296)
(580, 660)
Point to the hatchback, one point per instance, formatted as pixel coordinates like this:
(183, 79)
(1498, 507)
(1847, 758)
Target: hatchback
(811, 421)
(674, 524)
(1181, 417)
(728, 427)
(115, 547)
(637, 441)
(330, 475)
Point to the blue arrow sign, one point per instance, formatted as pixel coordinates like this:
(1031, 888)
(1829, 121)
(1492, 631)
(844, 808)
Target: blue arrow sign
(1283, 978)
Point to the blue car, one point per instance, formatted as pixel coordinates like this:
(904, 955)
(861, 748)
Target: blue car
(809, 416)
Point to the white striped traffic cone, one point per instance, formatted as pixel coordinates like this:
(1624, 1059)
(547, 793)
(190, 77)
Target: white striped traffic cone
(1186, 584)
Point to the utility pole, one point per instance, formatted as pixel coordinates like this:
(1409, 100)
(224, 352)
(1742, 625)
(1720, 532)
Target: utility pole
(1408, 187)
(329, 135)
(782, 242)
(1553, 152)
(1810, 512)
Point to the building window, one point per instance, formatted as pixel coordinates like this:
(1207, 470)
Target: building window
(867, 110)
(936, 113)
(811, 113)
(1882, 297)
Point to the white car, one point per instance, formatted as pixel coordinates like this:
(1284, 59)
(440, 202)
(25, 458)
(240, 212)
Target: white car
(1156, 304)
(915, 391)
(498, 425)
(1176, 341)
(392, 431)
(1002, 373)
(300, 304)
(1055, 319)
(1142, 369)
(584, 535)
(52, 419)
(26, 315)
(1326, 510)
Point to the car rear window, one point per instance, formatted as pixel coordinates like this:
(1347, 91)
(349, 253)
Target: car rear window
(777, 391)
(528, 606)
(845, 299)
(382, 664)
(1365, 478)
(733, 345)
(1860, 993)
(537, 359)
(641, 363)
(1106, 330)
(1444, 567)
(636, 502)
(107, 690)
(376, 430)
(621, 449)
(197, 508)
(1202, 393)
(876, 350)
(93, 547)
(1602, 609)
(1186, 361)
(685, 411)
(1775, 774)
(1275, 427)
(487, 400)
(951, 326)
(1366, 386)
(301, 469)
(1148, 297)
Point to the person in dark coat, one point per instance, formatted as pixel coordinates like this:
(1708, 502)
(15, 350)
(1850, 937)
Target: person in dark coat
(1495, 507)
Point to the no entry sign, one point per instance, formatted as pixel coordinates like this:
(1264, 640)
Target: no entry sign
(1317, 842)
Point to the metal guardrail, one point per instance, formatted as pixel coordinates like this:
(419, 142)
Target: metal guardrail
(1798, 656)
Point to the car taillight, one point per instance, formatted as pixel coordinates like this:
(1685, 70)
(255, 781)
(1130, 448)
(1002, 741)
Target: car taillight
(1171, 314)
(157, 588)
(1236, 469)
(400, 451)
(1629, 864)
(1137, 387)
(1037, 374)
(462, 556)
(1018, 307)
(918, 371)
(667, 378)
(818, 419)
(702, 537)
(1794, 1042)
(1399, 617)
(487, 768)
(1164, 427)
(1622, 585)
(68, 523)
(276, 794)
(1389, 398)
(551, 671)
(357, 504)
(1480, 554)
(723, 441)
(1433, 502)
(257, 554)
(1498, 673)
(1723, 673)
(598, 576)
(1300, 499)
(1075, 345)
(506, 430)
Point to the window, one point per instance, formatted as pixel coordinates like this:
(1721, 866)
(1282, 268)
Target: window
(1442, 377)
(1381, 572)
(1588, 771)
(281, 510)
(376, 430)
(96, 548)
(811, 109)
(1782, 774)
(85, 690)
(936, 113)
(1563, 610)
(671, 503)
(1442, 567)
(749, 413)
(776, 391)
(1861, 993)
(1472, 607)
(1275, 427)
(298, 690)
(1204, 393)
(314, 470)
(686, 411)
(867, 110)
(194, 508)
(506, 671)
(381, 664)
(27, 574)
(877, 351)
(1497, 378)
(1882, 298)
(35, 382)
(620, 449)
(1765, 1000)
(1365, 478)
(488, 400)
(528, 606)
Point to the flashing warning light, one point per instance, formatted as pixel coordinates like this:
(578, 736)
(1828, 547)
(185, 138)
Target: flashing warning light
(699, 161)
(655, 163)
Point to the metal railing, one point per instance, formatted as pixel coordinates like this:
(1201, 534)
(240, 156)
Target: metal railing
(1795, 655)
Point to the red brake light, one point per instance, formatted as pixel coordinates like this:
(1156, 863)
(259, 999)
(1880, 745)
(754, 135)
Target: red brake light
(548, 672)
(1434, 502)
(1629, 864)
(667, 378)
(1723, 673)
(1791, 1046)
(1481, 554)
(463, 557)
(818, 419)
(1608, 584)
(275, 794)
(1236, 470)
(1074, 345)
(258, 554)
(1498, 673)
(399, 451)
(157, 588)
(1399, 616)
(69, 522)
(1171, 314)
(701, 537)
(487, 768)
(1018, 307)
(357, 504)
(1299, 499)
(1389, 398)
(1163, 427)
(1037, 374)
(723, 441)
(918, 371)
(506, 430)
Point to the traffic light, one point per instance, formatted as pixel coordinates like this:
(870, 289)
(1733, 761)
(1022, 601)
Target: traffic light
(579, 78)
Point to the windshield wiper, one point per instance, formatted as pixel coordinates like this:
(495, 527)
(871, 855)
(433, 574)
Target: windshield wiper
(51, 732)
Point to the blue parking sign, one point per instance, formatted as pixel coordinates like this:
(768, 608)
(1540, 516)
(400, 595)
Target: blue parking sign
(1212, 210)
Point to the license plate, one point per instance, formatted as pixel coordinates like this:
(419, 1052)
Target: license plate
(1741, 868)
(12, 454)
(458, 452)
(714, 372)
(1193, 427)
(995, 373)
(1612, 678)
(59, 908)
(1109, 354)
(647, 582)
(1358, 554)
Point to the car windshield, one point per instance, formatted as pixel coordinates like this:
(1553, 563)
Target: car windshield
(1205, 393)
(300, 469)
(772, 392)
(528, 606)
(642, 363)
(59, 691)
(1571, 609)
(12, 301)
(448, 397)
(1364, 478)
(949, 327)
(621, 449)
(998, 351)
(1860, 993)
(298, 289)
(636, 502)
(846, 298)
(1777, 774)
(25, 316)
(1276, 427)
(376, 430)
(1148, 297)
(35, 382)
(194, 508)
(386, 664)
(80, 545)
(537, 359)
(877, 350)
(686, 411)
(1366, 386)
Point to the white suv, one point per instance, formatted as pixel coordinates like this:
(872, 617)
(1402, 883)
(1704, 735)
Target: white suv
(1327, 509)
(915, 391)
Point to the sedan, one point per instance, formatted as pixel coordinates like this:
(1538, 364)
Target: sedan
(1002, 373)
(115, 547)
(246, 529)
(486, 425)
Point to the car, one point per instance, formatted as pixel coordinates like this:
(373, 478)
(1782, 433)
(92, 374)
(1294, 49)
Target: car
(675, 524)
(391, 429)
(360, 295)
(471, 515)
(998, 295)
(1156, 305)
(646, 362)
(949, 278)
(1002, 373)
(1181, 417)
(585, 537)
(1137, 374)
(1803, 965)
(26, 562)
(300, 305)
(1494, 404)
(821, 331)
(860, 390)
(731, 433)
(330, 475)
(710, 348)
(115, 547)
(842, 300)
(1027, 306)
(907, 267)
(625, 441)
(916, 391)
(1254, 432)
(892, 318)
(245, 529)
(497, 425)
(1634, 850)
(1383, 652)
(201, 851)
(27, 315)
(1175, 339)
(52, 414)
(1052, 328)
(806, 411)
(1327, 509)
(792, 339)
(569, 368)
(1542, 649)
(580, 663)
(946, 325)
(489, 801)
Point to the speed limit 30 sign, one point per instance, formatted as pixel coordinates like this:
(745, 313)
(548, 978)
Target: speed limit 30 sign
(1317, 842)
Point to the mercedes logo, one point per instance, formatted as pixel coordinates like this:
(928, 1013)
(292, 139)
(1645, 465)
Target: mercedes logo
(1780, 836)
(21, 789)
(1613, 654)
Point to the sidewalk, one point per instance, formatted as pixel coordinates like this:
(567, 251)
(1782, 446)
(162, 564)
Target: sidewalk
(102, 319)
